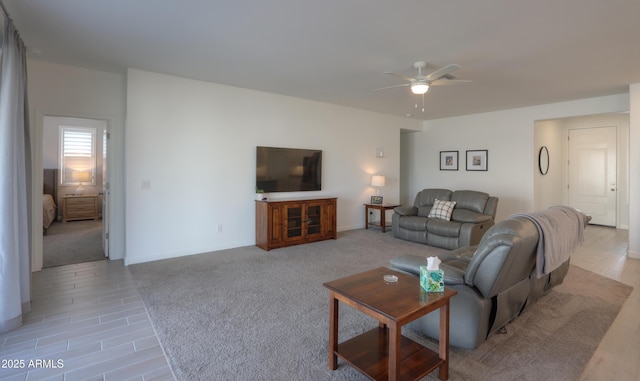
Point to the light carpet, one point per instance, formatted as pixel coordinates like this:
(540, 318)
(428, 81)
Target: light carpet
(248, 314)
(72, 242)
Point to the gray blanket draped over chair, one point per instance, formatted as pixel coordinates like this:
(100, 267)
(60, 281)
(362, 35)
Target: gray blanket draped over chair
(557, 227)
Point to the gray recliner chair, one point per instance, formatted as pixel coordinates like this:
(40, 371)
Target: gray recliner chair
(495, 280)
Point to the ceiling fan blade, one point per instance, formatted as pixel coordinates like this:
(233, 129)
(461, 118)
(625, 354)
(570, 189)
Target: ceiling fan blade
(406, 78)
(448, 82)
(391, 87)
(442, 72)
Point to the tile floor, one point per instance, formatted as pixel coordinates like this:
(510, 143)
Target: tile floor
(618, 355)
(92, 317)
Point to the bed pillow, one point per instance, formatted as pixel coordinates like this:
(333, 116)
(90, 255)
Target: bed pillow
(442, 209)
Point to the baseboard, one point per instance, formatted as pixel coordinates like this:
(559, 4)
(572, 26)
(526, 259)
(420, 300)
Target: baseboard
(349, 227)
(633, 254)
(150, 258)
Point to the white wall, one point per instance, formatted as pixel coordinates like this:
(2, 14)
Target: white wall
(192, 144)
(508, 136)
(634, 171)
(59, 90)
(548, 189)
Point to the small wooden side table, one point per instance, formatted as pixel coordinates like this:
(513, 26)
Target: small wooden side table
(383, 211)
(383, 353)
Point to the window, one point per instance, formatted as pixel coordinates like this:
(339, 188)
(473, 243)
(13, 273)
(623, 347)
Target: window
(77, 155)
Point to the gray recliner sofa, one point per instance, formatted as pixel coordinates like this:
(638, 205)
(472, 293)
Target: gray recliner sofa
(473, 214)
(495, 280)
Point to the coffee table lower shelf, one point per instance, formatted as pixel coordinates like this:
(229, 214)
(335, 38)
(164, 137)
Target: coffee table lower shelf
(369, 353)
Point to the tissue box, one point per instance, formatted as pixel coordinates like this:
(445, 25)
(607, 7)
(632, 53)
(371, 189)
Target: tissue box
(431, 281)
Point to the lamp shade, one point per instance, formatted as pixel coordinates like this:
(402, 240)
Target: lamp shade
(81, 176)
(378, 181)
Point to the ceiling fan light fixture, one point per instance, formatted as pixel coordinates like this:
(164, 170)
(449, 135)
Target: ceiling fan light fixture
(419, 87)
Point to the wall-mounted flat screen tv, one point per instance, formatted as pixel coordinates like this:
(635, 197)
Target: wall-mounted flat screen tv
(288, 169)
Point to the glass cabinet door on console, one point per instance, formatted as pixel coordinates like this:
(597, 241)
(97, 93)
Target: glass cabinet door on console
(294, 222)
(313, 219)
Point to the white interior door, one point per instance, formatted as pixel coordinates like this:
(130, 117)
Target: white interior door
(592, 173)
(105, 195)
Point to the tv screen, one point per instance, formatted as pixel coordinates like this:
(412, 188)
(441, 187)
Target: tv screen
(288, 169)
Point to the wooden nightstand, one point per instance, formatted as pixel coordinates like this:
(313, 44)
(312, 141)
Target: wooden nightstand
(79, 207)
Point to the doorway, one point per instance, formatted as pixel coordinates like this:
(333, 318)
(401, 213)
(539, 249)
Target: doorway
(75, 151)
(592, 166)
(588, 166)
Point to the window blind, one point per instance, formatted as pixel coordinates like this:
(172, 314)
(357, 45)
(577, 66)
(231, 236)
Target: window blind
(78, 159)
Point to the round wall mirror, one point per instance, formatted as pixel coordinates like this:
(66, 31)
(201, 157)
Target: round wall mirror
(543, 160)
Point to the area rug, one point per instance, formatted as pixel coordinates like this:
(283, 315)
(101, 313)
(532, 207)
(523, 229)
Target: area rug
(248, 314)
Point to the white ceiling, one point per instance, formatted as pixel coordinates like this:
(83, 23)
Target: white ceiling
(516, 53)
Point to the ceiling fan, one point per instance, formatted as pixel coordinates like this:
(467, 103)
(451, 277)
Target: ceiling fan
(420, 83)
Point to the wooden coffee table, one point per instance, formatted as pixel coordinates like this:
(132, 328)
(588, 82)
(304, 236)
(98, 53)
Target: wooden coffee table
(383, 353)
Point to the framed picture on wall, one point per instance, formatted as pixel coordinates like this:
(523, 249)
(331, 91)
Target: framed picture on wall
(448, 160)
(477, 160)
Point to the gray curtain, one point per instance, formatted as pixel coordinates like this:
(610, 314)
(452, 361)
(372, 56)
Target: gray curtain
(15, 181)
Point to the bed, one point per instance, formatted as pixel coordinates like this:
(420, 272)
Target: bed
(49, 197)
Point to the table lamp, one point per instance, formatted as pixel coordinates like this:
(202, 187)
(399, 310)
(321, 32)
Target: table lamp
(377, 181)
(80, 177)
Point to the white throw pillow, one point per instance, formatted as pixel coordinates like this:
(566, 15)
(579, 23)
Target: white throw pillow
(442, 209)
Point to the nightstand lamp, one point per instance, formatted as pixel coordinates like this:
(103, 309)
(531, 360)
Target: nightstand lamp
(81, 177)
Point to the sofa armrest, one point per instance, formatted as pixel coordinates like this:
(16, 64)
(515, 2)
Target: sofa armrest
(454, 270)
(408, 263)
(406, 210)
(469, 216)
(463, 254)
(491, 207)
(454, 264)
(452, 275)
